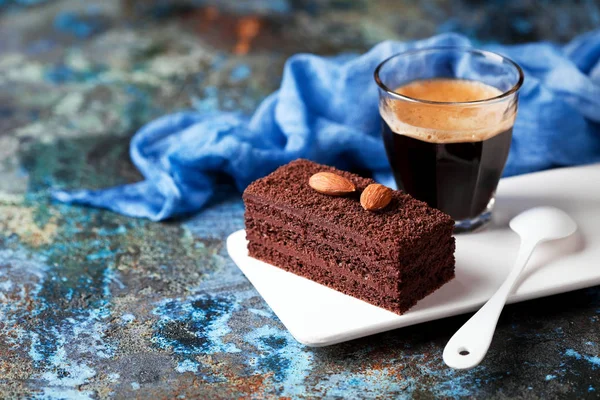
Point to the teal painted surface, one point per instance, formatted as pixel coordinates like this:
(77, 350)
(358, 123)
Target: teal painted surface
(96, 305)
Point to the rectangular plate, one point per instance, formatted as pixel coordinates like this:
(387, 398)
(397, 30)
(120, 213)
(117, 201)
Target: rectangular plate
(318, 316)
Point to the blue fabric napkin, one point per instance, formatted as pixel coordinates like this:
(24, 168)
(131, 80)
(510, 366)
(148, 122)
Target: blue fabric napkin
(326, 110)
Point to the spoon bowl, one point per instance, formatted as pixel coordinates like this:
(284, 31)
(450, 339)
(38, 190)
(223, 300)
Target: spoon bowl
(543, 223)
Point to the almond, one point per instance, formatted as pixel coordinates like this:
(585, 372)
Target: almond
(375, 197)
(331, 184)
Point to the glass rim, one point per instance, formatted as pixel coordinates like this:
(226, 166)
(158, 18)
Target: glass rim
(485, 53)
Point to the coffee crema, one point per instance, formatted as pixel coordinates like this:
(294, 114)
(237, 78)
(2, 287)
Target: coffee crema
(448, 90)
(437, 120)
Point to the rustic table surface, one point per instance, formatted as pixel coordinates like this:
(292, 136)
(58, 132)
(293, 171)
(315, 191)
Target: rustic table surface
(97, 305)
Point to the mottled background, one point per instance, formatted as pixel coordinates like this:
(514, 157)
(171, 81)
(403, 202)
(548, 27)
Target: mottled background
(96, 305)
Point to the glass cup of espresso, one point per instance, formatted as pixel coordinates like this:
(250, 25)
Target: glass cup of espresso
(447, 118)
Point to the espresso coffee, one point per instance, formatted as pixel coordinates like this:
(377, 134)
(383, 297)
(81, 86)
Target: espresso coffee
(450, 156)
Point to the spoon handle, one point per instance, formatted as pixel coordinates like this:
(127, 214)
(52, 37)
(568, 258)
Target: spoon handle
(471, 342)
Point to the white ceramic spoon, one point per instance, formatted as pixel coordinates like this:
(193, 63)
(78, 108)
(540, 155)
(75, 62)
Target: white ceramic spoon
(471, 342)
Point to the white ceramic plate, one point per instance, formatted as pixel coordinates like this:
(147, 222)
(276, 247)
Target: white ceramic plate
(318, 316)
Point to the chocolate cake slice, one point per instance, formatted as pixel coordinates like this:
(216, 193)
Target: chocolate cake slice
(390, 258)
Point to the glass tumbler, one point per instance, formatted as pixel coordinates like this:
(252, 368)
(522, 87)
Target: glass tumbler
(447, 117)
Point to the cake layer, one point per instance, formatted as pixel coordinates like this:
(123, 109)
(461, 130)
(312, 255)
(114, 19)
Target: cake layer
(270, 227)
(301, 221)
(341, 265)
(337, 254)
(387, 287)
(316, 262)
(411, 292)
(399, 226)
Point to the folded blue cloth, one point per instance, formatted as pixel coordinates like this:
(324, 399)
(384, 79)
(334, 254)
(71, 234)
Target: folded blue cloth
(326, 110)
